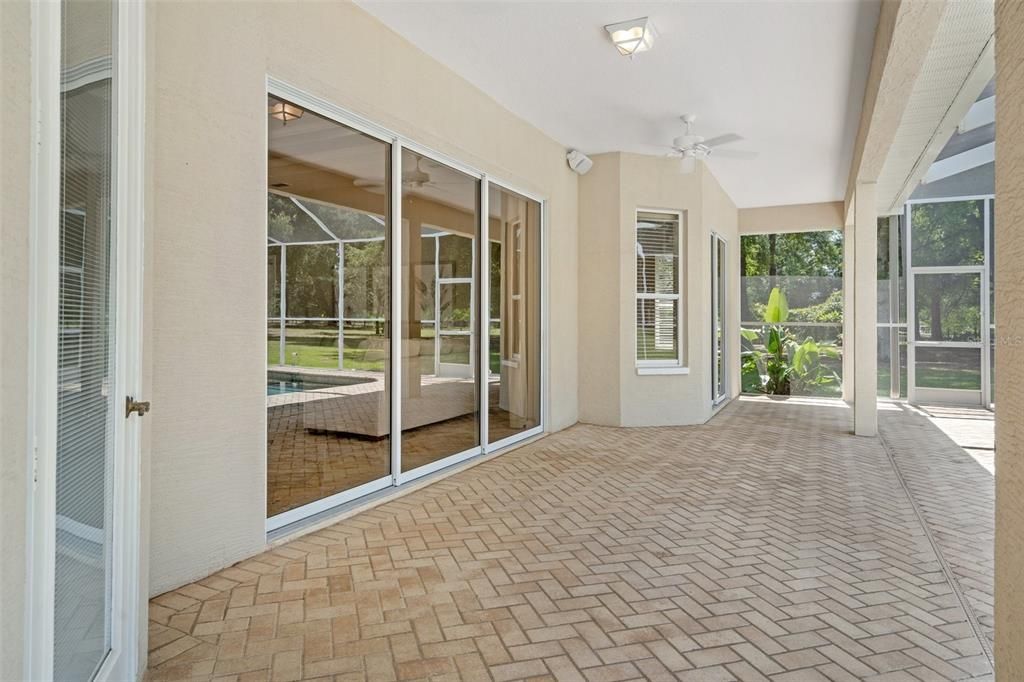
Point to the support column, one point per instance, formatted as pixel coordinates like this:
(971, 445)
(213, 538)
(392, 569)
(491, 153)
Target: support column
(865, 304)
(1009, 374)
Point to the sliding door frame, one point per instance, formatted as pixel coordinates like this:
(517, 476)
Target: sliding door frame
(279, 88)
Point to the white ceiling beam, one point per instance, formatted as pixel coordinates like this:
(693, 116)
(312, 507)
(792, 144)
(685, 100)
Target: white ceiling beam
(959, 163)
(981, 113)
(903, 37)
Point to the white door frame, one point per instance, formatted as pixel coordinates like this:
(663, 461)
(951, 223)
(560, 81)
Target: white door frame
(128, 589)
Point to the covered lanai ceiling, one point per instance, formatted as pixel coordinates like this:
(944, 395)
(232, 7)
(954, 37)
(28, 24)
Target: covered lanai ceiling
(787, 76)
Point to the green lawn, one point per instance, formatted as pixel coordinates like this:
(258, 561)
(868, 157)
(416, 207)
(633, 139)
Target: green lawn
(318, 347)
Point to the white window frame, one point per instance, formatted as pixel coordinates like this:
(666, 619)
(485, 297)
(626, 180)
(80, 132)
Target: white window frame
(673, 366)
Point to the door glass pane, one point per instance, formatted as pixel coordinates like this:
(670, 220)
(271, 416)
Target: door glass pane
(943, 367)
(948, 233)
(440, 223)
(948, 307)
(514, 326)
(328, 393)
(85, 401)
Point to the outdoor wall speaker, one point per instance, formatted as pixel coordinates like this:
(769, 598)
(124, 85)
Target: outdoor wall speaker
(579, 161)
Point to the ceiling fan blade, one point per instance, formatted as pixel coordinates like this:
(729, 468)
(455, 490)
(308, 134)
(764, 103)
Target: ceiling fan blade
(688, 165)
(735, 154)
(722, 139)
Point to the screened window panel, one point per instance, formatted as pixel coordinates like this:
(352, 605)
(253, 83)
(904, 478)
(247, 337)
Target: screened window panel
(274, 281)
(287, 222)
(311, 274)
(948, 307)
(455, 256)
(948, 233)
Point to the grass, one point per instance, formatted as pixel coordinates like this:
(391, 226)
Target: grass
(364, 350)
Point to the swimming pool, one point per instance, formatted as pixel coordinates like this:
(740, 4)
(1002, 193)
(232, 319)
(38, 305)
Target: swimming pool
(282, 384)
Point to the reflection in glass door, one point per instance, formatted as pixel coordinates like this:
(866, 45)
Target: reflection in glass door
(453, 352)
(364, 230)
(947, 291)
(513, 351)
(440, 405)
(328, 313)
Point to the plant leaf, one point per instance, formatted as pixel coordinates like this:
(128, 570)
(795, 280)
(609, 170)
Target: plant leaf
(777, 310)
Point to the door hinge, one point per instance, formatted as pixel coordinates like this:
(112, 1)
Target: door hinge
(137, 406)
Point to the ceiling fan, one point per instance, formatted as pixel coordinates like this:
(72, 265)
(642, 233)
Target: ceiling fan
(413, 177)
(689, 147)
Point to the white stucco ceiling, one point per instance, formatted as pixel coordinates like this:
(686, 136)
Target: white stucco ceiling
(787, 76)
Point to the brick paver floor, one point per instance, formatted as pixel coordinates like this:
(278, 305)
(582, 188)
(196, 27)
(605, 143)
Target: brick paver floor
(768, 544)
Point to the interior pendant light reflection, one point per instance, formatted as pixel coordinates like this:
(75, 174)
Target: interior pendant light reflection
(284, 112)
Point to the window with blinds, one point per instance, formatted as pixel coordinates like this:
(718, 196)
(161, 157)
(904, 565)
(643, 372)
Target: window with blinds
(658, 277)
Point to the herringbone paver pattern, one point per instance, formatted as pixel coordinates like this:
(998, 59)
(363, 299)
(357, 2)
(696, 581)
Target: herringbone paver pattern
(769, 544)
(956, 497)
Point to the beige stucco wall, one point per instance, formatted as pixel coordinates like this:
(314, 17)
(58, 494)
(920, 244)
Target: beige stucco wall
(15, 84)
(1009, 287)
(828, 215)
(600, 284)
(611, 390)
(207, 154)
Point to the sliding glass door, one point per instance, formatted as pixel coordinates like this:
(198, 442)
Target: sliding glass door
(514, 277)
(328, 303)
(440, 237)
(363, 230)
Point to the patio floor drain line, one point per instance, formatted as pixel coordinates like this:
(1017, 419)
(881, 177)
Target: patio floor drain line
(954, 582)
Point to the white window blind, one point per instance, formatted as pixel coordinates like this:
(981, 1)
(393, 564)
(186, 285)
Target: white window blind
(657, 288)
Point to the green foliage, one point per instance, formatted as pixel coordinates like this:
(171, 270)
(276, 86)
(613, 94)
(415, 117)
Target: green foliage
(829, 310)
(773, 361)
(812, 254)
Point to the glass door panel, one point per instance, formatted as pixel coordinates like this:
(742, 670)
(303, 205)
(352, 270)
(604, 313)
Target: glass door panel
(440, 395)
(513, 377)
(328, 307)
(86, 406)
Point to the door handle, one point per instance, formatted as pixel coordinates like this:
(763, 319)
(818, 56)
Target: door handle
(137, 406)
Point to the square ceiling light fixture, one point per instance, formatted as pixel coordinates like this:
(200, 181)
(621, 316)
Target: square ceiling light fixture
(630, 37)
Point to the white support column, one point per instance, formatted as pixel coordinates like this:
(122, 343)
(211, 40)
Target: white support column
(849, 376)
(865, 336)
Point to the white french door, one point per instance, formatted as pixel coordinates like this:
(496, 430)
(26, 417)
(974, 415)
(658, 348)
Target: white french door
(719, 335)
(85, 591)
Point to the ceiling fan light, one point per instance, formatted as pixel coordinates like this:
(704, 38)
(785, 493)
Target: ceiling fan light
(633, 36)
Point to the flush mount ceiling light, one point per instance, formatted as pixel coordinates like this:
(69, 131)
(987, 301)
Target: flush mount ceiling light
(630, 37)
(284, 112)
